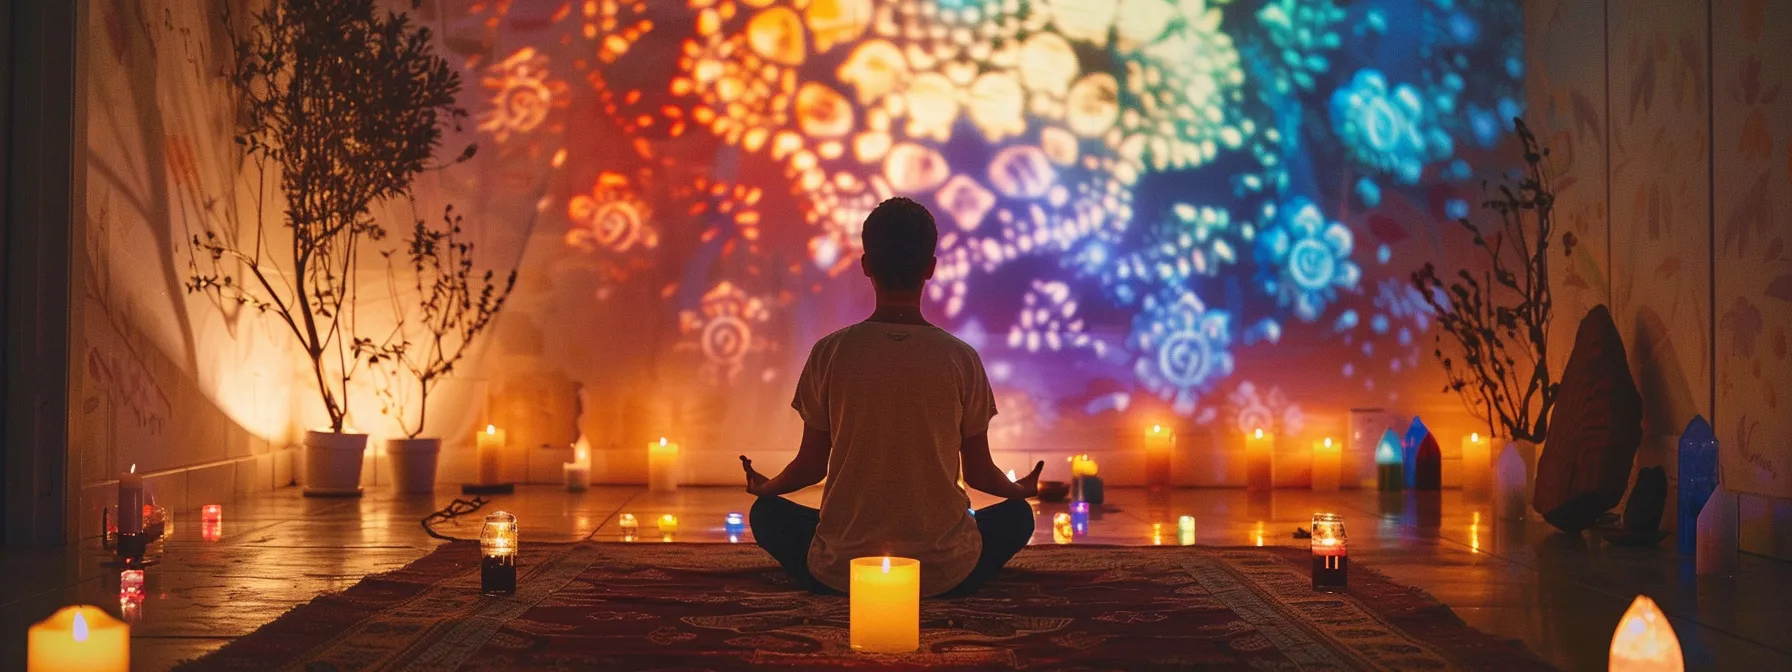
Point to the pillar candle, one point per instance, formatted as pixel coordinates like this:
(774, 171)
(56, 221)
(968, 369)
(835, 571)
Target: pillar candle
(885, 609)
(1328, 465)
(1644, 641)
(668, 525)
(490, 446)
(1259, 455)
(1185, 531)
(130, 502)
(1477, 466)
(79, 639)
(578, 471)
(1159, 444)
(662, 466)
(630, 526)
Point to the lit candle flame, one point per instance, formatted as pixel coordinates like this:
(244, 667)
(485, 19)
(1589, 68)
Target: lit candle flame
(1157, 429)
(662, 442)
(1328, 442)
(80, 627)
(1259, 432)
(1474, 437)
(886, 564)
(489, 429)
(133, 470)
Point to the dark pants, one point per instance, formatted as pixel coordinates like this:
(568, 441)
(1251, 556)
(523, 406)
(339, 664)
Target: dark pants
(784, 529)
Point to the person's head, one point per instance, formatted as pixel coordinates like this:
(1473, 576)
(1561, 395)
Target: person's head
(899, 238)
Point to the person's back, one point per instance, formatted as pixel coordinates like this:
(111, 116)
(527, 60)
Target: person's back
(899, 400)
(891, 408)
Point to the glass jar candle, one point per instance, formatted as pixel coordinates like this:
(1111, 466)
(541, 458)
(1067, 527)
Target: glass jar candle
(497, 551)
(1331, 565)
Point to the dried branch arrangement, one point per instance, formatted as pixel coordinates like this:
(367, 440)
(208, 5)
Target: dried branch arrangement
(1498, 319)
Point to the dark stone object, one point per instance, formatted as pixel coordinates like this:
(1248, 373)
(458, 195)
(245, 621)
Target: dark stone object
(1642, 514)
(1053, 491)
(1593, 432)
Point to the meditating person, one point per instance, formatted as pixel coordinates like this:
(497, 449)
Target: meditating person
(891, 407)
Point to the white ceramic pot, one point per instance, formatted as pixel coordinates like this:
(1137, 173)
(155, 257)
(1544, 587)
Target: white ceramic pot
(413, 464)
(333, 463)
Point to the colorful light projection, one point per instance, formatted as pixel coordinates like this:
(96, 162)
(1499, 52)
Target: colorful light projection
(1147, 193)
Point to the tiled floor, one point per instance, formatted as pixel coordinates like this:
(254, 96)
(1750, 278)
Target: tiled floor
(1561, 595)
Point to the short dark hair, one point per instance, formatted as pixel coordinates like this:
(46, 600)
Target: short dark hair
(899, 238)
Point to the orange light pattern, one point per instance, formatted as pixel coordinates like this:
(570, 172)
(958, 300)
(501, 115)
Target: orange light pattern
(722, 328)
(522, 94)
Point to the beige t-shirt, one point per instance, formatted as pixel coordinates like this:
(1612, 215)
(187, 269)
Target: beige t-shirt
(897, 401)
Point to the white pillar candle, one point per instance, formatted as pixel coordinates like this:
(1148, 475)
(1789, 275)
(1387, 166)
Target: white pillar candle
(662, 466)
(490, 445)
(1328, 465)
(1477, 466)
(885, 610)
(79, 639)
(1185, 531)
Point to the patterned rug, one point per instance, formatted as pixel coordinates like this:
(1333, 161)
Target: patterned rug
(689, 607)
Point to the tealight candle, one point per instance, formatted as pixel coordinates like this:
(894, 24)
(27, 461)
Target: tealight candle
(885, 605)
(1185, 530)
(1159, 447)
(1328, 465)
(662, 466)
(734, 525)
(1061, 530)
(497, 550)
(1259, 459)
(490, 447)
(1331, 564)
(668, 526)
(1083, 465)
(79, 639)
(1645, 641)
(1477, 466)
(630, 526)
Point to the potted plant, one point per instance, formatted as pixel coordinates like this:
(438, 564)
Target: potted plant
(1498, 316)
(454, 304)
(346, 103)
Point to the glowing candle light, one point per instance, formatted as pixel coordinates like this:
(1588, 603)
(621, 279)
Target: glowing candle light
(578, 472)
(1259, 457)
(662, 466)
(1474, 532)
(490, 450)
(1061, 530)
(1477, 466)
(130, 595)
(211, 522)
(1157, 534)
(1185, 530)
(1331, 563)
(1328, 465)
(130, 502)
(1390, 467)
(497, 550)
(885, 610)
(1085, 485)
(1159, 447)
(1645, 641)
(1079, 518)
(1083, 465)
(1257, 533)
(80, 638)
(630, 526)
(668, 526)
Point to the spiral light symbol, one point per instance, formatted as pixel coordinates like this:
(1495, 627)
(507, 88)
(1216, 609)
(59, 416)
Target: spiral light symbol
(526, 104)
(617, 226)
(1255, 416)
(1185, 359)
(1311, 265)
(725, 339)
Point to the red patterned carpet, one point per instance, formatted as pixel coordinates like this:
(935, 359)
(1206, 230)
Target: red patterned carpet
(687, 607)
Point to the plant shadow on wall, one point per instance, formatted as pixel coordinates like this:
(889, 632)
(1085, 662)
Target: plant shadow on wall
(347, 103)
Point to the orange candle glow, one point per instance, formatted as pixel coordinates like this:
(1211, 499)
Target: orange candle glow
(1644, 641)
(1259, 457)
(1328, 465)
(662, 466)
(1477, 466)
(490, 447)
(82, 638)
(1159, 445)
(885, 610)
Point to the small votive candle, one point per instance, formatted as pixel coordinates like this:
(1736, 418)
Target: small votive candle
(1328, 465)
(1390, 467)
(211, 522)
(1079, 518)
(630, 526)
(577, 475)
(1061, 530)
(79, 639)
(885, 605)
(734, 526)
(1331, 564)
(668, 526)
(1645, 641)
(497, 550)
(1157, 534)
(1185, 530)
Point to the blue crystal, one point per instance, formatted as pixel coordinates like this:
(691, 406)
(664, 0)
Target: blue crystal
(1698, 479)
(1409, 451)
